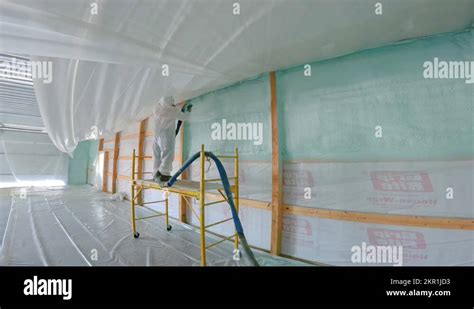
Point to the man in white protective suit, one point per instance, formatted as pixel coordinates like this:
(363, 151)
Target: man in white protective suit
(166, 113)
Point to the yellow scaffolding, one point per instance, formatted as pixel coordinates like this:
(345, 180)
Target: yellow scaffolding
(193, 189)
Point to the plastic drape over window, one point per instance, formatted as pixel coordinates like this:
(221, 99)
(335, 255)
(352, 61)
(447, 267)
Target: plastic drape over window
(30, 159)
(110, 62)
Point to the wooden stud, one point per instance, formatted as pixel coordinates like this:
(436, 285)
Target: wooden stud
(105, 172)
(115, 163)
(141, 153)
(277, 188)
(101, 144)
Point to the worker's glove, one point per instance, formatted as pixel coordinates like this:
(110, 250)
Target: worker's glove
(188, 107)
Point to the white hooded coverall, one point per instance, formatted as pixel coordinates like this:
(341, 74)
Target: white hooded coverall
(165, 116)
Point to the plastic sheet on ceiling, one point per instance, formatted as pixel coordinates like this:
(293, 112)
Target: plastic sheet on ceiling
(79, 226)
(107, 67)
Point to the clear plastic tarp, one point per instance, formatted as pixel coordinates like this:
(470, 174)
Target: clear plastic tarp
(30, 159)
(110, 61)
(77, 226)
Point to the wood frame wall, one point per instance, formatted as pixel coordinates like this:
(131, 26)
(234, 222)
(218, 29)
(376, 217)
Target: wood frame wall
(388, 219)
(276, 206)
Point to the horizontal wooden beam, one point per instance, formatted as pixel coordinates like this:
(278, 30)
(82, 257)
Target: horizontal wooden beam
(127, 158)
(345, 215)
(132, 136)
(123, 177)
(388, 219)
(354, 216)
(313, 161)
(245, 202)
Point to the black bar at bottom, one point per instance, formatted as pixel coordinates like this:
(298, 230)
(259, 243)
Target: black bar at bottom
(265, 285)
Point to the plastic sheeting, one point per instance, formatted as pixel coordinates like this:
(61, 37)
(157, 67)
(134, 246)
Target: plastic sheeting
(330, 242)
(107, 68)
(405, 188)
(30, 159)
(72, 226)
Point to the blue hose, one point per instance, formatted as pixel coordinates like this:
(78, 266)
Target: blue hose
(228, 192)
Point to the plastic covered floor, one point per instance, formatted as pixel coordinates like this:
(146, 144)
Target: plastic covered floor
(77, 226)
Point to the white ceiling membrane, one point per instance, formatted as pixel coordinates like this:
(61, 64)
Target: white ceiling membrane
(108, 67)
